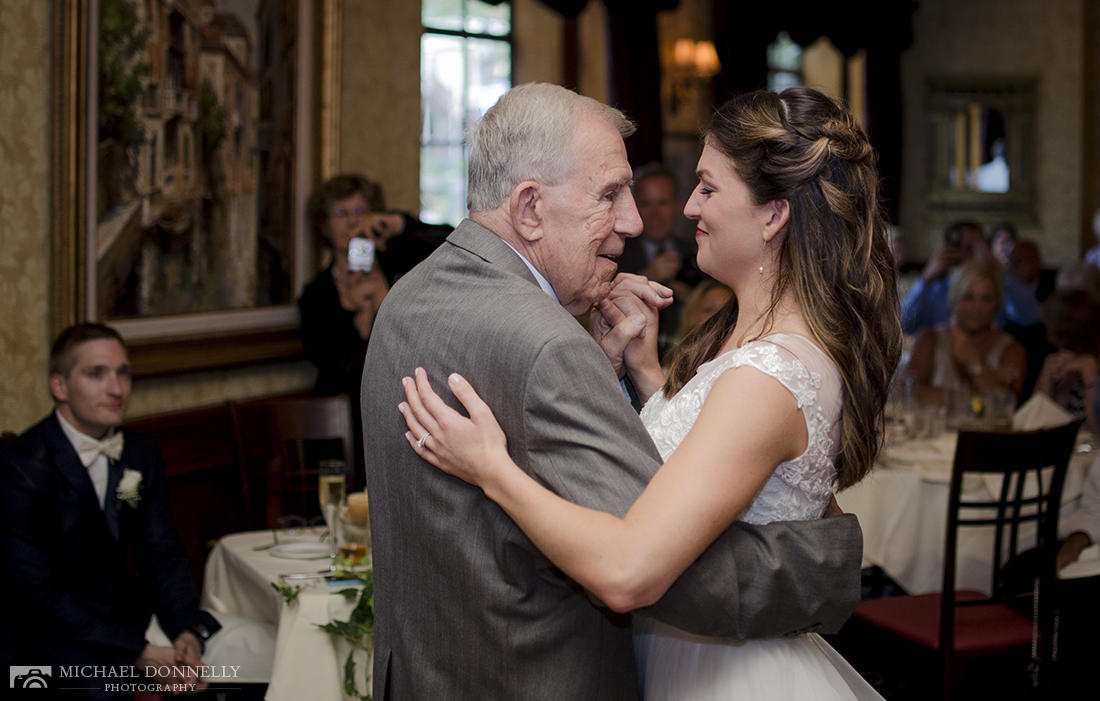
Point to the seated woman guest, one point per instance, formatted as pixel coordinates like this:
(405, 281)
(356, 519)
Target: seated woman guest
(969, 350)
(1072, 318)
(339, 305)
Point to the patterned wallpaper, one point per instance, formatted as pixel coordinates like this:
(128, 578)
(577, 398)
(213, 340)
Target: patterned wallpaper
(24, 211)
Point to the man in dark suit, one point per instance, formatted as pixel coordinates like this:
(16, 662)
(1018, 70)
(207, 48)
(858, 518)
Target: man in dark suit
(84, 504)
(658, 253)
(465, 606)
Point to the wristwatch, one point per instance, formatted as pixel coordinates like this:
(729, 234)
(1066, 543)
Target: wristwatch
(201, 632)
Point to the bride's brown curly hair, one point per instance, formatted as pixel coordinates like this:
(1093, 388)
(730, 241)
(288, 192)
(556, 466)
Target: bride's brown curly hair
(805, 147)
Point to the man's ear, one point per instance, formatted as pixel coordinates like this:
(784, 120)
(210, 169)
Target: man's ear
(776, 215)
(525, 209)
(59, 388)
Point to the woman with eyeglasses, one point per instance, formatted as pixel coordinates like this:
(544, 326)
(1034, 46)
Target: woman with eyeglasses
(371, 247)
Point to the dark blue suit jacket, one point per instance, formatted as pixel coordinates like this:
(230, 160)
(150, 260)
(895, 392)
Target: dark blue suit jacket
(80, 574)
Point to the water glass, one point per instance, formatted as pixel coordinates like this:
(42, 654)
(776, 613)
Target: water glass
(332, 480)
(1000, 406)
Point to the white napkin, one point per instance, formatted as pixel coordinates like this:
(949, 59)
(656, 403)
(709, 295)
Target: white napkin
(1037, 413)
(1088, 565)
(1040, 412)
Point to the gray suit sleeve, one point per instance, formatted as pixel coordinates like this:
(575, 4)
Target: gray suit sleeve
(585, 442)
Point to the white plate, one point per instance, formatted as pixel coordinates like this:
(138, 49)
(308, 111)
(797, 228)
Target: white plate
(301, 551)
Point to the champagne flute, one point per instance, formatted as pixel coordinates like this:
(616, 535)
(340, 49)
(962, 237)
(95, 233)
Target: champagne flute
(331, 487)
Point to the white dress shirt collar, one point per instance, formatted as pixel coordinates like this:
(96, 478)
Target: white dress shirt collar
(97, 471)
(543, 282)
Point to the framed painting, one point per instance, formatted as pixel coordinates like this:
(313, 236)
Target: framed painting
(187, 135)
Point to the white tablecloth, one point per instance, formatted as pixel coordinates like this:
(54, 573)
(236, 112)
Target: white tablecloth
(902, 507)
(309, 663)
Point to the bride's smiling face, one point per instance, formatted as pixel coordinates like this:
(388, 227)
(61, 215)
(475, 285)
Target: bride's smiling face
(729, 223)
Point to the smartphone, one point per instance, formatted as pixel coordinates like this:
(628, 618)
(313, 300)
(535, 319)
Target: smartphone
(361, 254)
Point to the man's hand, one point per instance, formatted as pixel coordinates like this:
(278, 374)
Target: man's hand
(1071, 550)
(946, 257)
(616, 326)
(652, 293)
(626, 316)
(188, 649)
(625, 326)
(385, 226)
(161, 664)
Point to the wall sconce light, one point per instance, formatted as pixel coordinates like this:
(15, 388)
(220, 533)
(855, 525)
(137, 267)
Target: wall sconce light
(692, 62)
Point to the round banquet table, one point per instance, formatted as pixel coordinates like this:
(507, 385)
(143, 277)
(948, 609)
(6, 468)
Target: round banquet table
(309, 663)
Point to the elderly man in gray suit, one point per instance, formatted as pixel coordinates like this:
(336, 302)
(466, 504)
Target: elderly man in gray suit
(466, 607)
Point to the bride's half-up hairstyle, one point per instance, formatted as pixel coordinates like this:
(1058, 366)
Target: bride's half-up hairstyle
(806, 148)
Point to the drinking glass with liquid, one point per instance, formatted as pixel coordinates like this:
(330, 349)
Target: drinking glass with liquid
(332, 483)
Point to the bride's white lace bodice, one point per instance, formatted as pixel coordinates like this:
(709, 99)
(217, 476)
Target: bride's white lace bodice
(799, 489)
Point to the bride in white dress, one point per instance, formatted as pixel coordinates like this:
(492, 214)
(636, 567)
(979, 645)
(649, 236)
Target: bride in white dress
(768, 405)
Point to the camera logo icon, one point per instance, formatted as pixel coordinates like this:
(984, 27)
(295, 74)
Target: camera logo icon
(35, 677)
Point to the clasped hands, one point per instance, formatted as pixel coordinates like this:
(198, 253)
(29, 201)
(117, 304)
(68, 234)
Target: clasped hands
(180, 661)
(624, 324)
(473, 447)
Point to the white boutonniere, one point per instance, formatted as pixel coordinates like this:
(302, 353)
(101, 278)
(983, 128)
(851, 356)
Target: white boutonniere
(129, 488)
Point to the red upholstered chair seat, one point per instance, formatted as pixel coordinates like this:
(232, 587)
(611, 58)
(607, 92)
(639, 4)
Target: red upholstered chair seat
(977, 628)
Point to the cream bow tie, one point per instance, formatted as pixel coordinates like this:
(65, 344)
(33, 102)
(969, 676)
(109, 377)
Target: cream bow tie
(90, 449)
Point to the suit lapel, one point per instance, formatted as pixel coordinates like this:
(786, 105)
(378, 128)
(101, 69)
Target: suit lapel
(68, 462)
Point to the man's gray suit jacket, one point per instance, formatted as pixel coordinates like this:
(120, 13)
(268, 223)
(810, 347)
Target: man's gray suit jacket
(466, 606)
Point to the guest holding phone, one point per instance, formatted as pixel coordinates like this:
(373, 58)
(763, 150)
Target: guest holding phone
(371, 248)
(926, 305)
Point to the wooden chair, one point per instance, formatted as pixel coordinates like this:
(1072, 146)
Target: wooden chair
(961, 624)
(279, 445)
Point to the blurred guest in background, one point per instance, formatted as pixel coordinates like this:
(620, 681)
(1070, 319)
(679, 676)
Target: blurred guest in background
(1083, 526)
(969, 351)
(927, 303)
(906, 277)
(707, 298)
(1093, 254)
(339, 305)
(1002, 239)
(1025, 285)
(1079, 276)
(1079, 598)
(1068, 376)
(1021, 284)
(658, 253)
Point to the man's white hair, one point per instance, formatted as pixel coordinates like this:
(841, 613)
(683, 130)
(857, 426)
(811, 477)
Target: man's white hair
(527, 135)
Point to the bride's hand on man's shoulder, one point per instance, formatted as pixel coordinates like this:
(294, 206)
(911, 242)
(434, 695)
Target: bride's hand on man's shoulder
(468, 448)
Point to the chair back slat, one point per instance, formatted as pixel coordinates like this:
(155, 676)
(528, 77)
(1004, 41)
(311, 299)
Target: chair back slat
(1013, 457)
(279, 444)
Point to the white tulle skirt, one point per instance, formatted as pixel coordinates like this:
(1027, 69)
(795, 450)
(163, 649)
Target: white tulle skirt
(678, 666)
